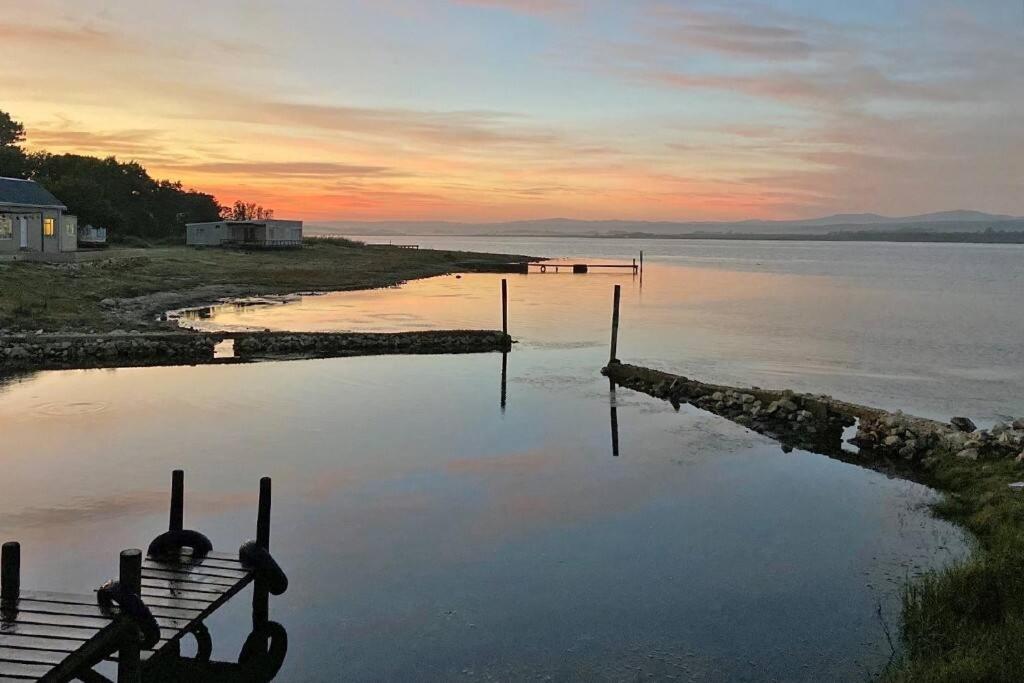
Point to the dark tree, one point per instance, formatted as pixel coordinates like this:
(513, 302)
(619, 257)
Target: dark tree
(246, 211)
(13, 161)
(12, 132)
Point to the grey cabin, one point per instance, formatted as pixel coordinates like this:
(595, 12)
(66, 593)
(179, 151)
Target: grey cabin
(33, 220)
(268, 233)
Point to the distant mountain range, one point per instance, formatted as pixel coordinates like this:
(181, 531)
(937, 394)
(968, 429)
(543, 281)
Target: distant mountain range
(941, 222)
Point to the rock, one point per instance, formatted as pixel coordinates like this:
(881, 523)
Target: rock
(788, 405)
(968, 454)
(1019, 424)
(1017, 486)
(108, 302)
(892, 441)
(998, 428)
(1020, 458)
(747, 398)
(962, 424)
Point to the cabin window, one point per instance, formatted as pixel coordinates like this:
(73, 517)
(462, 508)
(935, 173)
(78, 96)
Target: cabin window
(69, 228)
(49, 227)
(6, 228)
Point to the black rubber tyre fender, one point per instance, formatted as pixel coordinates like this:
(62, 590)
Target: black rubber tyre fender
(264, 651)
(132, 606)
(257, 558)
(171, 543)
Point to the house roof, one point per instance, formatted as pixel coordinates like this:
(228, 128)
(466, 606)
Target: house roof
(27, 193)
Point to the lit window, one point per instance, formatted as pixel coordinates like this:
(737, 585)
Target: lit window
(49, 226)
(6, 228)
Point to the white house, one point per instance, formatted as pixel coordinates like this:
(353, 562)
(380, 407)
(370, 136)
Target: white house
(268, 233)
(33, 220)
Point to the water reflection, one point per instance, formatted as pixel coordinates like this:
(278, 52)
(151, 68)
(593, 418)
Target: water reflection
(499, 549)
(261, 658)
(614, 415)
(504, 381)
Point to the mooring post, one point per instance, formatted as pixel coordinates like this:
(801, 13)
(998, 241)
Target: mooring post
(260, 592)
(615, 324)
(10, 572)
(177, 500)
(504, 306)
(129, 665)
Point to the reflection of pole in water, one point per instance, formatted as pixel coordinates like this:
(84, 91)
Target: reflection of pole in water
(614, 410)
(504, 380)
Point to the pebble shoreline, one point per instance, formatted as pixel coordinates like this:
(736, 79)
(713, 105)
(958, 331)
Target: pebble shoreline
(817, 422)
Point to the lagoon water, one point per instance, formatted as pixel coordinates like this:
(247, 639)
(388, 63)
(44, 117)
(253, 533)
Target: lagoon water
(432, 533)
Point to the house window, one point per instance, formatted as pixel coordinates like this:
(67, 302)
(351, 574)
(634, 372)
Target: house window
(69, 229)
(6, 228)
(49, 227)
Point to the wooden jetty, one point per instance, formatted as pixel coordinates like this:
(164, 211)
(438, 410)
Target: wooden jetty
(583, 268)
(139, 620)
(580, 268)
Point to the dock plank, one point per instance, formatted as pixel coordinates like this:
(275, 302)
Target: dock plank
(189, 577)
(19, 670)
(47, 631)
(34, 643)
(226, 573)
(30, 656)
(43, 607)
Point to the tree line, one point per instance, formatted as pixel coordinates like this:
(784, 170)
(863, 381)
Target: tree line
(119, 196)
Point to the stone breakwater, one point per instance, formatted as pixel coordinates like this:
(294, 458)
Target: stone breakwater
(43, 351)
(817, 422)
(65, 351)
(331, 344)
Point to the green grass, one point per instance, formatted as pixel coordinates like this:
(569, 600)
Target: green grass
(966, 623)
(54, 297)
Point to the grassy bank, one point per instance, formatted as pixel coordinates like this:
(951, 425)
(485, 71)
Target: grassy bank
(143, 282)
(966, 623)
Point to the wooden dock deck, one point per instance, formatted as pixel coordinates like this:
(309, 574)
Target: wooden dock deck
(140, 620)
(582, 267)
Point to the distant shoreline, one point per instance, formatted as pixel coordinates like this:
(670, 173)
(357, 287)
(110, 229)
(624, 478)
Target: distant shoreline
(994, 237)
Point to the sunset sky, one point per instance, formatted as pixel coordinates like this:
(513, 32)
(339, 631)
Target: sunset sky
(485, 110)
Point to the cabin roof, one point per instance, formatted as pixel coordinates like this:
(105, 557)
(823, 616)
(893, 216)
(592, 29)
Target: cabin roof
(27, 193)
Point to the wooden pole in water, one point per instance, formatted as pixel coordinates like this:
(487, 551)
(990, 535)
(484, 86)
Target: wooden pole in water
(177, 500)
(504, 306)
(10, 572)
(641, 262)
(260, 592)
(129, 666)
(615, 324)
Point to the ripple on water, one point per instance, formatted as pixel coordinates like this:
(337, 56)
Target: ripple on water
(72, 409)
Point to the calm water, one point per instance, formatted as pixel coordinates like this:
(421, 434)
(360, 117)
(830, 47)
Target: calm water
(431, 534)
